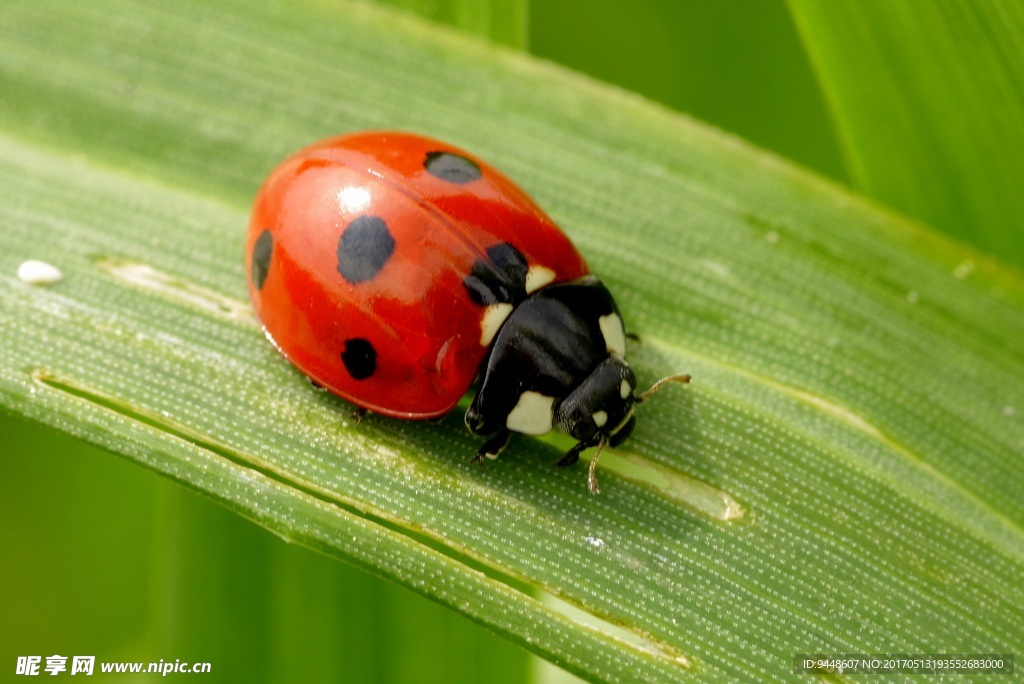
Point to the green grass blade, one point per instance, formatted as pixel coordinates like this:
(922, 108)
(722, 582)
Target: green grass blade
(843, 475)
(928, 98)
(502, 21)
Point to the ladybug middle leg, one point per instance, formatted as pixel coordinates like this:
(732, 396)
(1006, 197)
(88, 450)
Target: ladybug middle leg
(492, 447)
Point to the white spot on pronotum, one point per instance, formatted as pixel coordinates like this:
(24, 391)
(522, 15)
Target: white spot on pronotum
(600, 418)
(494, 316)
(625, 389)
(38, 273)
(532, 414)
(537, 277)
(613, 333)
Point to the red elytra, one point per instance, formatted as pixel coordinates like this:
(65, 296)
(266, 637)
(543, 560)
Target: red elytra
(358, 252)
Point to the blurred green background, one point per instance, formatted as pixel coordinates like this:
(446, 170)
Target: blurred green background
(103, 558)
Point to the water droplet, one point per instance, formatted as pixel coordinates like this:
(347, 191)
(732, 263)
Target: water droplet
(36, 272)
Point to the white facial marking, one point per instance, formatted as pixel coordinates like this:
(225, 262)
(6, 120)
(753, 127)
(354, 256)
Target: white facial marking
(537, 277)
(38, 273)
(494, 316)
(614, 334)
(624, 389)
(600, 418)
(532, 414)
(354, 199)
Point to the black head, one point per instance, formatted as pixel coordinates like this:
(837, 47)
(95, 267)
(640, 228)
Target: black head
(601, 406)
(600, 410)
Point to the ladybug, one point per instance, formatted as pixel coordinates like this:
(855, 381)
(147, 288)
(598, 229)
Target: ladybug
(394, 270)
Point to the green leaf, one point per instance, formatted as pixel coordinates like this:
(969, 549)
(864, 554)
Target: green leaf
(502, 21)
(928, 98)
(843, 475)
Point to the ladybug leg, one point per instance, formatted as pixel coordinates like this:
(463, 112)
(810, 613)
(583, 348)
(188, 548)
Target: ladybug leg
(573, 455)
(358, 413)
(492, 447)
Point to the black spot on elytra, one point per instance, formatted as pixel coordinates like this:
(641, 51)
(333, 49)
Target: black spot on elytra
(360, 358)
(365, 246)
(261, 252)
(451, 167)
(499, 278)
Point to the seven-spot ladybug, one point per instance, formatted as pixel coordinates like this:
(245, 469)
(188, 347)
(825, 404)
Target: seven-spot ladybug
(393, 270)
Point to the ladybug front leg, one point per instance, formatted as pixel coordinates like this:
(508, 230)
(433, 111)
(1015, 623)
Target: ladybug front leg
(492, 447)
(573, 455)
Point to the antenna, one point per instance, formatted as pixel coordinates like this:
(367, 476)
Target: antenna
(681, 377)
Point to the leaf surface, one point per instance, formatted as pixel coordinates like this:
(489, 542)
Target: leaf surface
(844, 474)
(928, 99)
